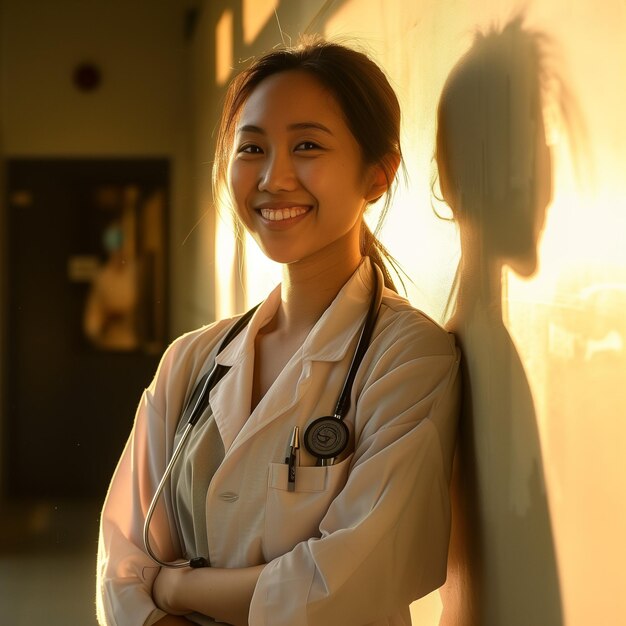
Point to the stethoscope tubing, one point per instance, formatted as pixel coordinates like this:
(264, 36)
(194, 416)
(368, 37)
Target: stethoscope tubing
(155, 499)
(343, 402)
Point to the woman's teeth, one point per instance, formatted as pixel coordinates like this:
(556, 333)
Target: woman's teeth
(276, 215)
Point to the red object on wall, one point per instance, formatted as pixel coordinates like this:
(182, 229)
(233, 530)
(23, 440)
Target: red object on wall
(87, 77)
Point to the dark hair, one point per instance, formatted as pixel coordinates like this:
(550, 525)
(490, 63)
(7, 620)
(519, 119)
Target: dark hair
(368, 102)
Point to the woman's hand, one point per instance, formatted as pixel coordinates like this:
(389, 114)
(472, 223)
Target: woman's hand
(165, 590)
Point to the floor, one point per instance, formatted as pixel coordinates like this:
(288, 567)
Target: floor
(47, 563)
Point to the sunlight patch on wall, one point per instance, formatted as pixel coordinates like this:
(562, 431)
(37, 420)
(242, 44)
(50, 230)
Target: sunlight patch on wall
(261, 274)
(225, 275)
(224, 47)
(570, 329)
(256, 13)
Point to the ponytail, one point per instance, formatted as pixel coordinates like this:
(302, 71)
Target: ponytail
(378, 254)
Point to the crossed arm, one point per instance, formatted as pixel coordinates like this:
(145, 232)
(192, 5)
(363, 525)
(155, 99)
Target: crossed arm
(225, 594)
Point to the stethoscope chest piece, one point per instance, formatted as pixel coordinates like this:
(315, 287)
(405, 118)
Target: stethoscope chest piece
(326, 437)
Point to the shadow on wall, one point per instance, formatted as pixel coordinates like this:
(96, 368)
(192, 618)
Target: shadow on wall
(495, 173)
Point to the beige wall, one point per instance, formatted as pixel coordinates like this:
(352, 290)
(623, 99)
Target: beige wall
(138, 45)
(545, 355)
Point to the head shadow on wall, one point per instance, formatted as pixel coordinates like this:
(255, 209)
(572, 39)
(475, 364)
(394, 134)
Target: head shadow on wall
(495, 174)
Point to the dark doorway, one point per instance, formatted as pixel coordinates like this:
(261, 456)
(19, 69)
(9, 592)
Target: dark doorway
(86, 317)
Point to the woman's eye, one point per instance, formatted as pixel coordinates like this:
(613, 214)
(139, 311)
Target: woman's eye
(250, 149)
(307, 145)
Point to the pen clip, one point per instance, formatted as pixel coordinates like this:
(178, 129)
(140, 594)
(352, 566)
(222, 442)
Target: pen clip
(294, 445)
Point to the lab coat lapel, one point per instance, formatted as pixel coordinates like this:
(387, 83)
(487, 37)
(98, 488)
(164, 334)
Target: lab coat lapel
(288, 389)
(230, 399)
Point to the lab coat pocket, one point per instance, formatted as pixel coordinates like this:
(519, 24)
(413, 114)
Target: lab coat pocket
(294, 516)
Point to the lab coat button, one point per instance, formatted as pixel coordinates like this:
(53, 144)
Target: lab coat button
(229, 496)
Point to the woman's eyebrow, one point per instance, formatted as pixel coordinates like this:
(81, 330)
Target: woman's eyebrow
(308, 126)
(251, 128)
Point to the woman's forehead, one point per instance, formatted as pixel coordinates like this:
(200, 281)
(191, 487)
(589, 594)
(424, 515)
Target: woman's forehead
(290, 97)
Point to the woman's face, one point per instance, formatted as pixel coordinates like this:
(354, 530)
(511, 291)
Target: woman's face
(296, 174)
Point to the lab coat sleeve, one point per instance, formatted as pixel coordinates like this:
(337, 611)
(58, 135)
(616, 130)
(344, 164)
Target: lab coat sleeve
(384, 539)
(125, 572)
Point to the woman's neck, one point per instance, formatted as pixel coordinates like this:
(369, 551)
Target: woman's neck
(309, 286)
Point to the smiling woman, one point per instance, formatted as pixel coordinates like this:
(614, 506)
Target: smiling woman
(309, 137)
(296, 175)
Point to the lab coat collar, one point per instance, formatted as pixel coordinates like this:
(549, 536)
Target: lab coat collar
(243, 343)
(331, 336)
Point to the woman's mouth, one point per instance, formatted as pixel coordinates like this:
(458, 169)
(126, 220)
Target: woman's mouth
(278, 215)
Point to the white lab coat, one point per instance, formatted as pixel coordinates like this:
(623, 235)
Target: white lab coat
(355, 542)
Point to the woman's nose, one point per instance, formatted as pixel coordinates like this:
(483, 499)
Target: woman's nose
(278, 174)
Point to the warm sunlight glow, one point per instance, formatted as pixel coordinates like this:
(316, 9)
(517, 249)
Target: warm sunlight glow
(262, 275)
(574, 342)
(256, 14)
(224, 47)
(225, 276)
(567, 321)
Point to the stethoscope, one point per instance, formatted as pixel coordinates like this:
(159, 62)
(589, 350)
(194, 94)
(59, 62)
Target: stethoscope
(324, 437)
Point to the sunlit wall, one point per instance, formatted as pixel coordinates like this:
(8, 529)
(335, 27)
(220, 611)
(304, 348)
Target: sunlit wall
(546, 394)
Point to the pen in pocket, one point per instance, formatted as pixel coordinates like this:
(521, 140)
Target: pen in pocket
(290, 460)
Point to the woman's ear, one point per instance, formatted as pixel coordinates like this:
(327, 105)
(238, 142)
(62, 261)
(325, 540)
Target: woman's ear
(381, 176)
